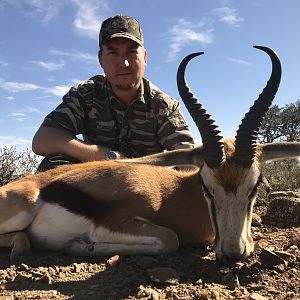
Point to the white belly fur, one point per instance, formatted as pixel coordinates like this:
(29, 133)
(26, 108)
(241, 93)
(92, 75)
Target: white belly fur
(54, 227)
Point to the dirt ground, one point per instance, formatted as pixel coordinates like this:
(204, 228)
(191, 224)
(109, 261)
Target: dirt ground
(272, 272)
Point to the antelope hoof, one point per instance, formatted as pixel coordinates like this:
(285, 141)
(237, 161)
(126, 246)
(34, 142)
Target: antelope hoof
(20, 245)
(80, 247)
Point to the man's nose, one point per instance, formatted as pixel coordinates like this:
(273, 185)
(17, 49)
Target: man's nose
(124, 61)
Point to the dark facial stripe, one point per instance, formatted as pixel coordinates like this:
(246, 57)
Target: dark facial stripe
(212, 207)
(254, 190)
(214, 216)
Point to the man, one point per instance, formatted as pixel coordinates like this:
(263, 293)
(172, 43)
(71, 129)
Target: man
(120, 114)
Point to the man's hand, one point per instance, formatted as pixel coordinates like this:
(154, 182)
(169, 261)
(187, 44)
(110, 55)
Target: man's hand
(50, 140)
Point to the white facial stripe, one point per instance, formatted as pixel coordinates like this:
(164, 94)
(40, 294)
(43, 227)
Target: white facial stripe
(230, 211)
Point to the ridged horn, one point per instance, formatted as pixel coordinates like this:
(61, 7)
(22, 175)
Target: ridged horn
(213, 149)
(246, 135)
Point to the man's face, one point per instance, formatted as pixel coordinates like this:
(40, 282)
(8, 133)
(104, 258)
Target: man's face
(123, 62)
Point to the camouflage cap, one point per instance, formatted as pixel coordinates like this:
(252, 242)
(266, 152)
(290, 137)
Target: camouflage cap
(121, 26)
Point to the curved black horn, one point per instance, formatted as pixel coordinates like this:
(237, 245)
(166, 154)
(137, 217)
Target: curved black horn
(213, 151)
(246, 135)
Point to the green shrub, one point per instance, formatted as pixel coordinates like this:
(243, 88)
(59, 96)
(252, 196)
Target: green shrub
(283, 175)
(14, 164)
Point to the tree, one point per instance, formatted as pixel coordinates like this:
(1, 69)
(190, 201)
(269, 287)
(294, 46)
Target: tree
(291, 121)
(281, 124)
(15, 164)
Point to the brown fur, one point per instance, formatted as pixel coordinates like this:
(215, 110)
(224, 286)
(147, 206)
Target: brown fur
(111, 193)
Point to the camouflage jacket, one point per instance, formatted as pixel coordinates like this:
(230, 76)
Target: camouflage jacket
(153, 122)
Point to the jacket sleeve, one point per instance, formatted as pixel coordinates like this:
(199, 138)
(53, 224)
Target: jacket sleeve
(70, 114)
(174, 132)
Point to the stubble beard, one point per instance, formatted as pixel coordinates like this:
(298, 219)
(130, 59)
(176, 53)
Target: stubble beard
(125, 87)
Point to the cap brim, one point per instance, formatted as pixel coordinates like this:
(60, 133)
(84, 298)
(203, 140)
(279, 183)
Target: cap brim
(126, 36)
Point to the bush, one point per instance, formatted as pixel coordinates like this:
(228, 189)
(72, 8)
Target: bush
(283, 175)
(15, 164)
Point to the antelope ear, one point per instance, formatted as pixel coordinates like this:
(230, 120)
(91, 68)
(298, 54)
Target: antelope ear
(279, 151)
(185, 168)
(198, 156)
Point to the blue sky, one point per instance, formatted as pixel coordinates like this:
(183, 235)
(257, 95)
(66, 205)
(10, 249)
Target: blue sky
(47, 46)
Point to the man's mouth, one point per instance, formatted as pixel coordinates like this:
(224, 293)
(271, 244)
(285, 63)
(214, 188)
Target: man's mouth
(123, 74)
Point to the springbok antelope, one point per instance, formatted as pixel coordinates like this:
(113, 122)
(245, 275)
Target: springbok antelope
(139, 206)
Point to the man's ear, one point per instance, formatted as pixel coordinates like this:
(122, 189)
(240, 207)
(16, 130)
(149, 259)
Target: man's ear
(145, 56)
(100, 57)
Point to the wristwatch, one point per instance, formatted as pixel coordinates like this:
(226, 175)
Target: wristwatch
(111, 155)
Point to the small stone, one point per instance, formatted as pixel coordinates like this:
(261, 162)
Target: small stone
(51, 271)
(23, 267)
(164, 275)
(76, 267)
(45, 279)
(154, 295)
(224, 270)
(202, 294)
(255, 296)
(114, 260)
(7, 297)
(64, 269)
(256, 220)
(284, 254)
(257, 287)
(295, 239)
(232, 281)
(22, 279)
(289, 194)
(261, 244)
(270, 259)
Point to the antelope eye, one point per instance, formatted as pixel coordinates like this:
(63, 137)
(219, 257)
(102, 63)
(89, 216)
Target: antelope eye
(207, 192)
(254, 190)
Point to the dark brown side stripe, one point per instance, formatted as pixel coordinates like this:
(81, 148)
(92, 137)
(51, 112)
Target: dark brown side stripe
(78, 202)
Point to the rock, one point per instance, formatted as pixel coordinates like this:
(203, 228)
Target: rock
(271, 260)
(23, 267)
(114, 260)
(256, 220)
(262, 244)
(280, 194)
(283, 212)
(163, 275)
(255, 296)
(295, 239)
(77, 267)
(232, 281)
(147, 292)
(45, 279)
(284, 255)
(21, 280)
(7, 297)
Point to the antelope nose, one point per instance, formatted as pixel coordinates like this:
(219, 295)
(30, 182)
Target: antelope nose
(230, 258)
